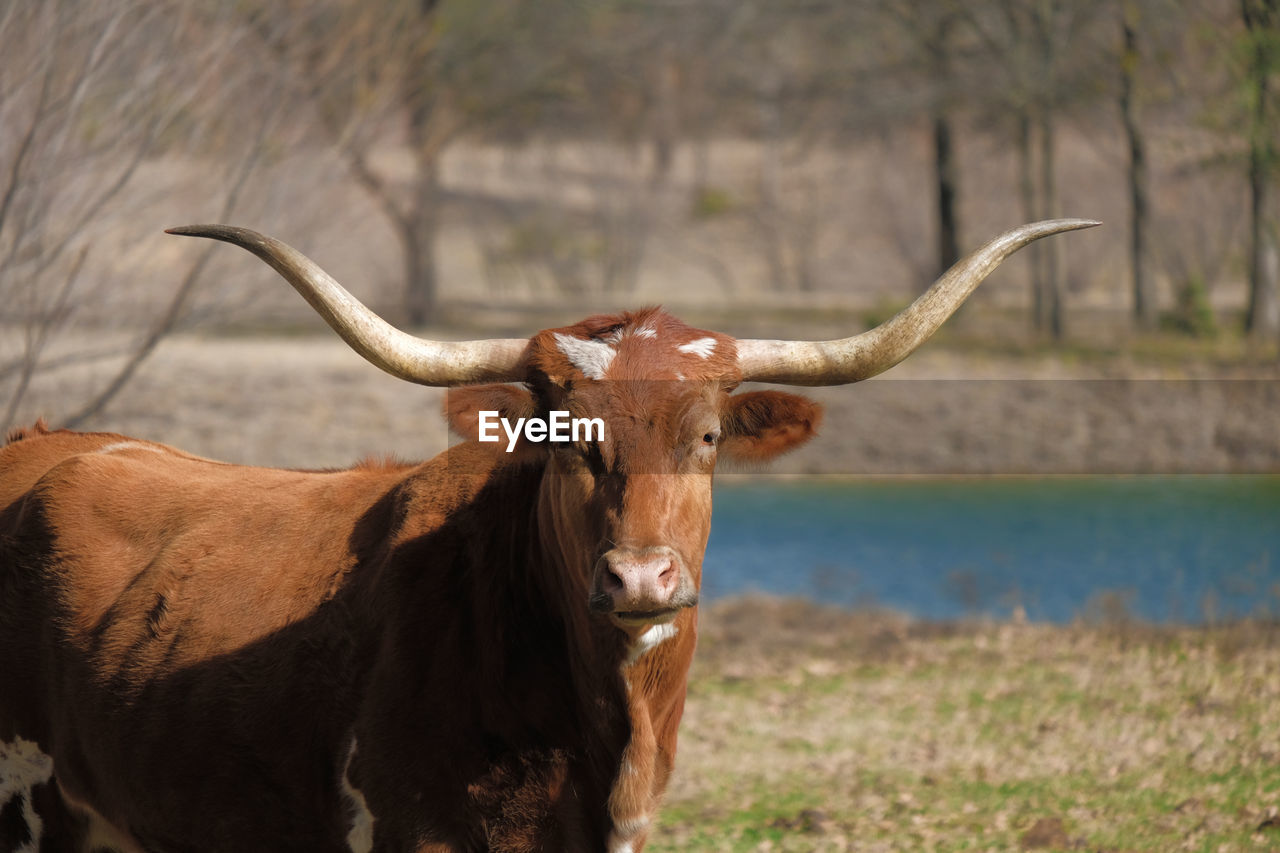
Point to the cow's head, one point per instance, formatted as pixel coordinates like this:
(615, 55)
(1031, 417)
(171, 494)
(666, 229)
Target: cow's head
(663, 391)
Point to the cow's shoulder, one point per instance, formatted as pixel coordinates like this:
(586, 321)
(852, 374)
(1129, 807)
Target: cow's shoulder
(468, 485)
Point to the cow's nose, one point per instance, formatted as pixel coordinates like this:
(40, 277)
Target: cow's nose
(637, 583)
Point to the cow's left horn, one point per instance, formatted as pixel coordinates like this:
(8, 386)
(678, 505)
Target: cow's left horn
(876, 350)
(418, 360)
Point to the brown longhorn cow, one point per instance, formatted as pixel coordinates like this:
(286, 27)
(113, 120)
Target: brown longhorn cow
(485, 651)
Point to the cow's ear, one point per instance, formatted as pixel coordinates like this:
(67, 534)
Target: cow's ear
(759, 425)
(462, 406)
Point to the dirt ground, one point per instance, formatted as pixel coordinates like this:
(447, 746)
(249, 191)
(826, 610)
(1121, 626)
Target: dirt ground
(307, 401)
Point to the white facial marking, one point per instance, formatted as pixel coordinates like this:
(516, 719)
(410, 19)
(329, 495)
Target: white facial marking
(360, 838)
(591, 357)
(646, 332)
(620, 846)
(22, 767)
(651, 639)
(702, 347)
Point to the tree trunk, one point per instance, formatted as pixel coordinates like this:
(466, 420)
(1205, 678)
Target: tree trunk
(1052, 319)
(770, 214)
(1262, 319)
(1144, 308)
(1262, 23)
(418, 232)
(1030, 212)
(945, 170)
(420, 224)
(666, 117)
(944, 163)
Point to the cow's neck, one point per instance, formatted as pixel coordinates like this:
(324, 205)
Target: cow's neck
(544, 686)
(560, 693)
(528, 591)
(653, 662)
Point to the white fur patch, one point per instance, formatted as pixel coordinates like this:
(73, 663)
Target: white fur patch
(632, 826)
(623, 332)
(622, 838)
(128, 445)
(702, 347)
(655, 636)
(22, 767)
(360, 837)
(591, 357)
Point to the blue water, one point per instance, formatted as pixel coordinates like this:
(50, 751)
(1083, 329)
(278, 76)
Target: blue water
(1187, 548)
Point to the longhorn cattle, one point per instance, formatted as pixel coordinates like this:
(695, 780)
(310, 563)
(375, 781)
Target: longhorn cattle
(485, 651)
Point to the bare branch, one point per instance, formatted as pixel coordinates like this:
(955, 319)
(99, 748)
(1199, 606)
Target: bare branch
(177, 308)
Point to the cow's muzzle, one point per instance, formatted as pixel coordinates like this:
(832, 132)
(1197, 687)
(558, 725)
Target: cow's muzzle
(642, 585)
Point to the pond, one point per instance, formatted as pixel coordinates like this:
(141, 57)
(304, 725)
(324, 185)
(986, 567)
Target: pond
(1175, 548)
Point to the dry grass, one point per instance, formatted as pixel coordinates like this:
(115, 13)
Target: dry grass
(814, 729)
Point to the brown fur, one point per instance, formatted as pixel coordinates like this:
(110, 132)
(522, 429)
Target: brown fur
(19, 433)
(197, 644)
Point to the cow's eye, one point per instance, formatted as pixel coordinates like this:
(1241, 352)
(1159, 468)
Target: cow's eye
(710, 438)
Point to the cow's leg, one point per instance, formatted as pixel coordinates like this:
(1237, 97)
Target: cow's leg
(63, 831)
(37, 816)
(91, 832)
(25, 777)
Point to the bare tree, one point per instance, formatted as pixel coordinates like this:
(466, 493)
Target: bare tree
(1144, 308)
(421, 73)
(1048, 51)
(1262, 34)
(89, 97)
(169, 320)
(930, 31)
(1152, 41)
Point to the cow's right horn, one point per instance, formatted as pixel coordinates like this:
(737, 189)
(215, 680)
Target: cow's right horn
(876, 350)
(416, 359)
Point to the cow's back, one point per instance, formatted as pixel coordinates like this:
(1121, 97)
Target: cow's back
(31, 452)
(147, 595)
(28, 456)
(145, 559)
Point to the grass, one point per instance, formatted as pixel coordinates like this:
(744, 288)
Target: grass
(810, 729)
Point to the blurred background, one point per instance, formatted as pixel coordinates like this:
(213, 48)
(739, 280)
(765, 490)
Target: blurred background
(497, 163)
(768, 168)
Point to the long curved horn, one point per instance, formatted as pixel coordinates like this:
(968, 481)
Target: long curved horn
(415, 359)
(876, 350)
